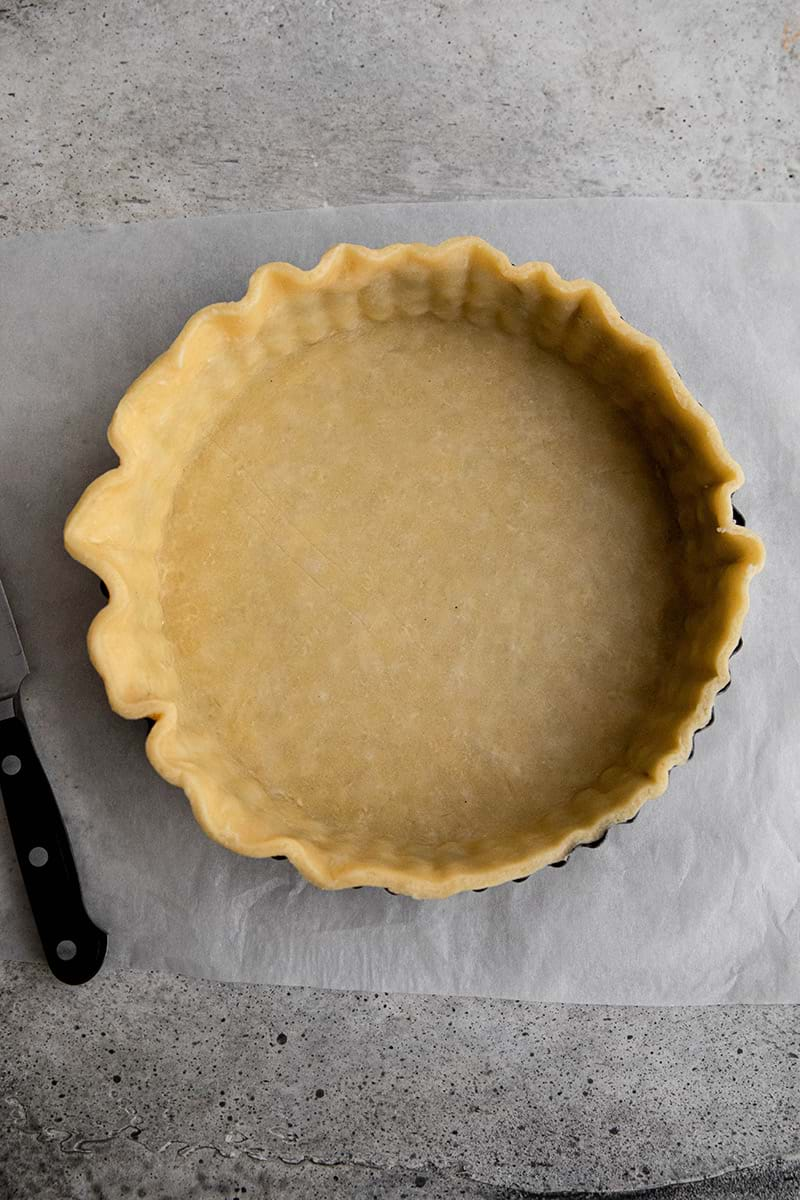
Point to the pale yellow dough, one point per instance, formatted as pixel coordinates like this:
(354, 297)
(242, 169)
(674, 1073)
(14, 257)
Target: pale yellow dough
(419, 559)
(370, 579)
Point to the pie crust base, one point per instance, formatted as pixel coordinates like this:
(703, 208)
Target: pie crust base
(424, 564)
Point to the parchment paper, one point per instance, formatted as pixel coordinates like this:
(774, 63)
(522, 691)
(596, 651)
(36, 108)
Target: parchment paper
(697, 902)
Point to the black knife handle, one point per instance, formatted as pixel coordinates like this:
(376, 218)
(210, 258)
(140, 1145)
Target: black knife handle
(73, 945)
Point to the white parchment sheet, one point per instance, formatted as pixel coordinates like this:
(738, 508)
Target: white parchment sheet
(697, 902)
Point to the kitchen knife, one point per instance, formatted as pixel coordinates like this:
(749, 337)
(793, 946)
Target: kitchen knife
(73, 945)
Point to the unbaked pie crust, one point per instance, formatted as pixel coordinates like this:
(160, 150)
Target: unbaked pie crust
(423, 563)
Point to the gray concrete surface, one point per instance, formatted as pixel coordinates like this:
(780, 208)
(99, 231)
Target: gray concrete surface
(117, 111)
(155, 1087)
(187, 1088)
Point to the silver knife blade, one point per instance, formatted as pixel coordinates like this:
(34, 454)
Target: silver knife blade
(13, 663)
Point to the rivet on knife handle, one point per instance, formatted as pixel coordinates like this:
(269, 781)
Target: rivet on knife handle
(73, 945)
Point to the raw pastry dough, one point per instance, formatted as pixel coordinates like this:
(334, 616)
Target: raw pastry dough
(424, 563)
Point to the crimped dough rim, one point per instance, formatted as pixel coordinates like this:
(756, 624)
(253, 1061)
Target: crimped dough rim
(461, 278)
